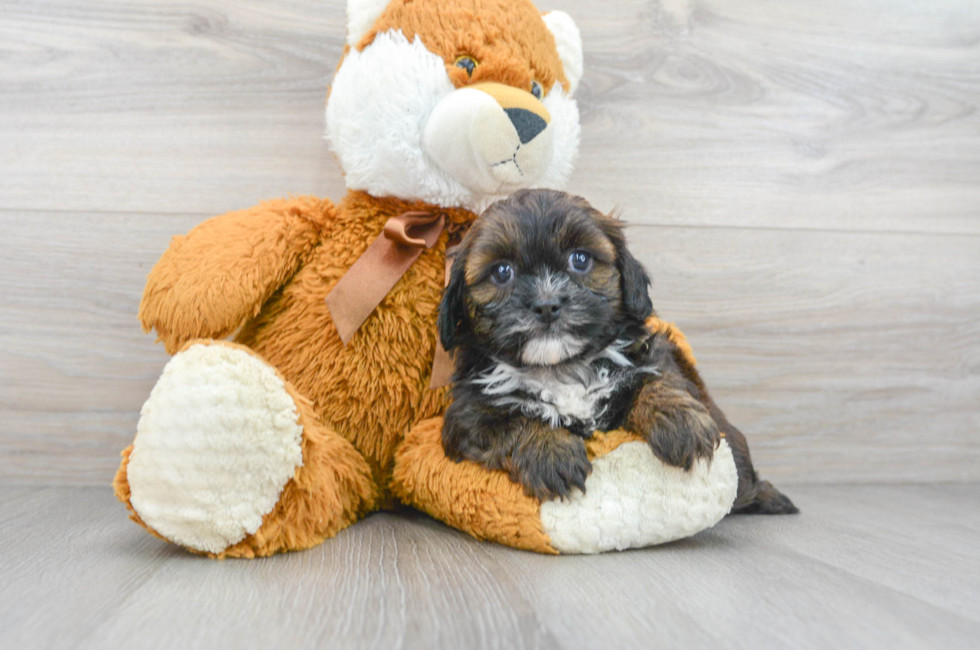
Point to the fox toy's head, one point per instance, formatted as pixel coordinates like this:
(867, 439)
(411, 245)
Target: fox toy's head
(455, 102)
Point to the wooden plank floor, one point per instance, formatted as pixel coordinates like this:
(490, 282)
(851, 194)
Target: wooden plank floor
(861, 567)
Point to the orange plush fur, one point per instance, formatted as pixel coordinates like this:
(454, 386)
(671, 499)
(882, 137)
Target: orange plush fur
(508, 39)
(368, 393)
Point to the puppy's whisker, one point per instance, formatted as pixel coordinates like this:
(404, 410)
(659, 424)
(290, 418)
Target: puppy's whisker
(517, 328)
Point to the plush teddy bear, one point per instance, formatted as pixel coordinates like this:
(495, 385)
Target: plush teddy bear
(327, 405)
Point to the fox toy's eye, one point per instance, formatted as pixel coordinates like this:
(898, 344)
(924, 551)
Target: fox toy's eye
(466, 63)
(536, 89)
(579, 262)
(502, 273)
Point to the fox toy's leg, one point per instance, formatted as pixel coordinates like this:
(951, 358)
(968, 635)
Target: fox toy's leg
(631, 499)
(229, 460)
(482, 502)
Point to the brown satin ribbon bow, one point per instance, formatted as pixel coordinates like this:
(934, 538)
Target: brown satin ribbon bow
(376, 272)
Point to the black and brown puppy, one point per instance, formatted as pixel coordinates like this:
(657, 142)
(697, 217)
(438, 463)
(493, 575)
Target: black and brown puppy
(545, 309)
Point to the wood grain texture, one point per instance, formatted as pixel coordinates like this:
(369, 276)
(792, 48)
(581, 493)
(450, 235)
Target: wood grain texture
(842, 356)
(147, 106)
(854, 116)
(75, 367)
(870, 566)
(837, 114)
(806, 177)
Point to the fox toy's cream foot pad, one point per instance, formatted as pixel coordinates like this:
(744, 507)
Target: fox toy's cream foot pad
(217, 441)
(633, 500)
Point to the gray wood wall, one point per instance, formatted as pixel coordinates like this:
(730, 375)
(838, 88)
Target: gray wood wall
(804, 176)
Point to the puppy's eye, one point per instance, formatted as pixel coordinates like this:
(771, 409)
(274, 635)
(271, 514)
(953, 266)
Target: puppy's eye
(536, 89)
(501, 273)
(466, 63)
(579, 262)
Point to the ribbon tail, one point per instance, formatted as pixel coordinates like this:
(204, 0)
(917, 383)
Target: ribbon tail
(366, 284)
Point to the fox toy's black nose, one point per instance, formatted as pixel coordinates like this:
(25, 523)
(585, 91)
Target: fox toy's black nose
(528, 124)
(547, 310)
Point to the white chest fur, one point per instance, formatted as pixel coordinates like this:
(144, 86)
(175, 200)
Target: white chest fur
(559, 394)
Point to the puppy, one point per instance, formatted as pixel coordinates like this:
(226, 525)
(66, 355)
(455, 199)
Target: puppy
(545, 309)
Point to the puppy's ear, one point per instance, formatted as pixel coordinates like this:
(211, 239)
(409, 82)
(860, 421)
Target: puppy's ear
(633, 277)
(636, 284)
(453, 319)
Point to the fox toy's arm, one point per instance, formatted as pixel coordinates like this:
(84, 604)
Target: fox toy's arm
(221, 273)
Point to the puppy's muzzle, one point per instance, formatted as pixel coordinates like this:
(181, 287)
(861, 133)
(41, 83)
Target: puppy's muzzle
(547, 310)
(491, 137)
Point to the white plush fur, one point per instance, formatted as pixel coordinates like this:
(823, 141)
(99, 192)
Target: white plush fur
(380, 104)
(634, 500)
(361, 16)
(568, 41)
(565, 138)
(216, 442)
(470, 136)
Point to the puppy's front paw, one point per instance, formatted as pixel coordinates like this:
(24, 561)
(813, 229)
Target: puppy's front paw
(680, 431)
(549, 465)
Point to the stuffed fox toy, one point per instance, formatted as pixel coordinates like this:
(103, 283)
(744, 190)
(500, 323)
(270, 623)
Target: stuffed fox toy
(324, 408)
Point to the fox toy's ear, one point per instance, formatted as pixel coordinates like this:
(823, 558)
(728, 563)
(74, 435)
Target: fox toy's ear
(569, 42)
(361, 16)
(453, 319)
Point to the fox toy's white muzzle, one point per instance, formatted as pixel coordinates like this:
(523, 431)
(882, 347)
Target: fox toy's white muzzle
(491, 137)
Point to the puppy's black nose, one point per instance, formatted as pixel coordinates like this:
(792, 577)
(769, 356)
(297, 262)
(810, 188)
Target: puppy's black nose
(528, 124)
(547, 310)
